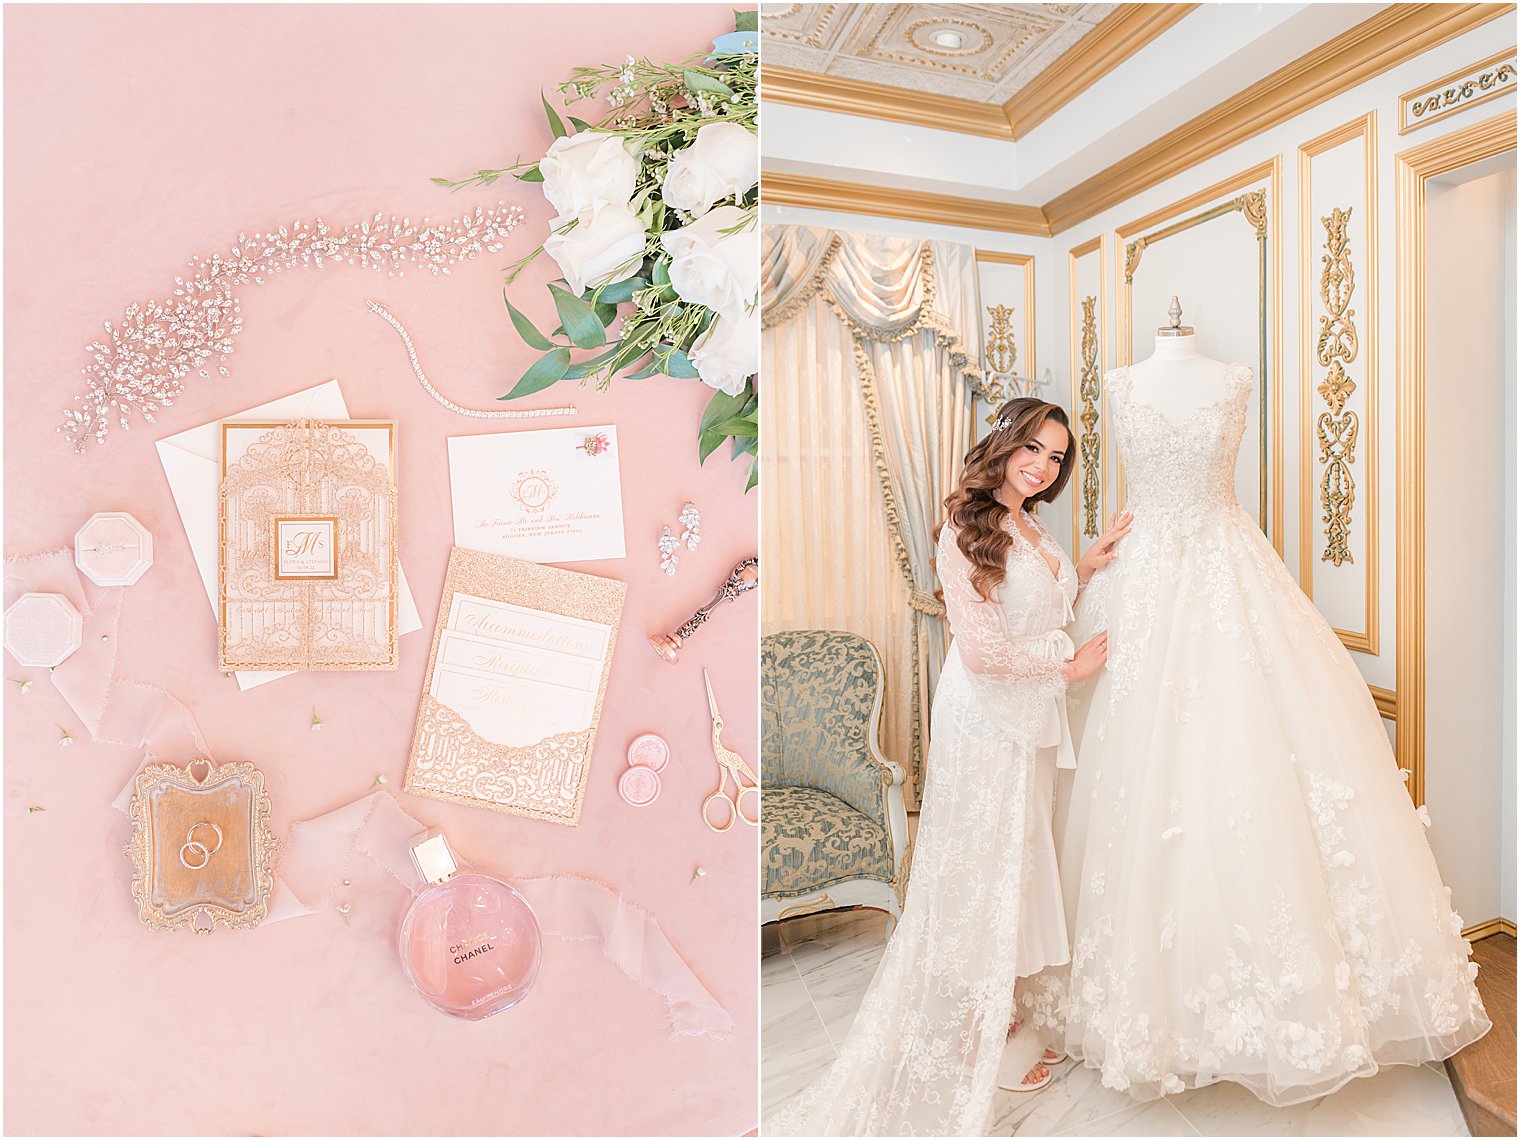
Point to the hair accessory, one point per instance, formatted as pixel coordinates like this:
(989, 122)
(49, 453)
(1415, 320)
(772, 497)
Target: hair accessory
(668, 545)
(741, 579)
(140, 364)
(1002, 422)
(691, 519)
(481, 414)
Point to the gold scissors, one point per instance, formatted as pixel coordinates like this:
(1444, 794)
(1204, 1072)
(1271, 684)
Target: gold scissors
(729, 762)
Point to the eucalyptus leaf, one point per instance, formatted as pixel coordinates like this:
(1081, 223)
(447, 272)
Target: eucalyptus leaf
(754, 478)
(615, 293)
(556, 124)
(532, 174)
(605, 313)
(651, 368)
(696, 81)
(746, 21)
(745, 445)
(581, 369)
(739, 425)
(721, 407)
(579, 319)
(707, 443)
(578, 124)
(679, 366)
(548, 370)
(526, 329)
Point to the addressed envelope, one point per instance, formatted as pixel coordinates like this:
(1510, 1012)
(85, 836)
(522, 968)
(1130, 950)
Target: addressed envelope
(495, 659)
(192, 463)
(552, 495)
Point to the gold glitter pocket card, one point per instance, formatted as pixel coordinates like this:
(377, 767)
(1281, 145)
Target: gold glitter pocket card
(308, 545)
(514, 686)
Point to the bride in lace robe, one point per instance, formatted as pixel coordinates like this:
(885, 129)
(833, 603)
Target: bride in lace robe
(984, 905)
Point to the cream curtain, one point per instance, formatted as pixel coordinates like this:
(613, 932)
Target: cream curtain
(869, 354)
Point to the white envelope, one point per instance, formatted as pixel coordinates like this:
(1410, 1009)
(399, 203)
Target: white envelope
(192, 464)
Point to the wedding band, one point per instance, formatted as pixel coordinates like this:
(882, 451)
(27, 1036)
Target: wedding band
(205, 856)
(210, 851)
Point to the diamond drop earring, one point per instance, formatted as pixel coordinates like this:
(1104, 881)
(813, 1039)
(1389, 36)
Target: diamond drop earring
(691, 519)
(668, 545)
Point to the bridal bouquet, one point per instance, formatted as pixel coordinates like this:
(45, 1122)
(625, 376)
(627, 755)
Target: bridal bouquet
(656, 228)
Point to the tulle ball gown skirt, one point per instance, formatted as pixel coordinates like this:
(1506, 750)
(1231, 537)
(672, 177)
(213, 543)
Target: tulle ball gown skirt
(1253, 895)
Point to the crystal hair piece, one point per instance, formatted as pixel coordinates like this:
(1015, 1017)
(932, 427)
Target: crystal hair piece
(140, 364)
(1002, 422)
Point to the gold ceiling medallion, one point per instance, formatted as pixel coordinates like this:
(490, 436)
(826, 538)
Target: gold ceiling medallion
(1487, 79)
(1337, 347)
(1092, 442)
(1001, 352)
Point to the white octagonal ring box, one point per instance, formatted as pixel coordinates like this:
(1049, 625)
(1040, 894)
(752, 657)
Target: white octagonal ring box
(42, 629)
(113, 549)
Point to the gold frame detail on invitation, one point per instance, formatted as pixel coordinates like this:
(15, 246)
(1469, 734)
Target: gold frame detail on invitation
(1364, 128)
(313, 469)
(1487, 79)
(236, 812)
(450, 761)
(1259, 208)
(1413, 168)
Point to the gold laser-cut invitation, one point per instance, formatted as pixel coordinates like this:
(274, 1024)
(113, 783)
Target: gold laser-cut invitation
(308, 545)
(514, 686)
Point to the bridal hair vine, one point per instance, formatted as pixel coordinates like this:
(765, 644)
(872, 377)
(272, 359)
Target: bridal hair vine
(140, 364)
(1002, 422)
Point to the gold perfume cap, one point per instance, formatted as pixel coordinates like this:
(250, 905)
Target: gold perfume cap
(434, 858)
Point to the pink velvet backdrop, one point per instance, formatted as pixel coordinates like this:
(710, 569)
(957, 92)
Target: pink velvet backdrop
(136, 137)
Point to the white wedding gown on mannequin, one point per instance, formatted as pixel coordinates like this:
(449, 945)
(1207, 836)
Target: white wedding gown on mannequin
(1250, 892)
(984, 902)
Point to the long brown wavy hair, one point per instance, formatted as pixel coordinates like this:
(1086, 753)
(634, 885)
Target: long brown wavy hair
(972, 507)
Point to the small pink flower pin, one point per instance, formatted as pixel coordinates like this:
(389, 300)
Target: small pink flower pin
(596, 444)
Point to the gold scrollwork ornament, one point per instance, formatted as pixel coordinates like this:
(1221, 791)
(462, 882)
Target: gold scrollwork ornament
(1001, 352)
(1337, 346)
(1092, 443)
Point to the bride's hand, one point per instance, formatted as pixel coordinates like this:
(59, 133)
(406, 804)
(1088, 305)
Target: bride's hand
(1089, 659)
(1102, 552)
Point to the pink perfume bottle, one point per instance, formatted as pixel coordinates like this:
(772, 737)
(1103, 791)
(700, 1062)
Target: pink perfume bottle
(470, 943)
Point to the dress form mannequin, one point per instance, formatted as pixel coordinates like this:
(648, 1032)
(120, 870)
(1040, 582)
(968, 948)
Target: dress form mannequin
(1178, 379)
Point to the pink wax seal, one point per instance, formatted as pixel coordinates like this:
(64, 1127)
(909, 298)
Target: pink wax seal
(649, 751)
(639, 785)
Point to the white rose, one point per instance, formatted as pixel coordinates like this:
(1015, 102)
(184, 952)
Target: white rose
(588, 170)
(728, 353)
(710, 268)
(604, 245)
(723, 161)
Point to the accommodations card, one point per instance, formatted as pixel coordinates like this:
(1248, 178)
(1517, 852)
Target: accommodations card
(542, 496)
(514, 688)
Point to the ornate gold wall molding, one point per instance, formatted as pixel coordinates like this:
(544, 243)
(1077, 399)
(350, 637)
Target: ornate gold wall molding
(1387, 702)
(1088, 403)
(1336, 347)
(779, 188)
(1121, 35)
(995, 390)
(1000, 351)
(1363, 129)
(1124, 32)
(1398, 33)
(1431, 102)
(879, 101)
(1391, 37)
(1413, 168)
(1259, 208)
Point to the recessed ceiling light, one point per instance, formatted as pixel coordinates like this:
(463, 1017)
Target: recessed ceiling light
(948, 39)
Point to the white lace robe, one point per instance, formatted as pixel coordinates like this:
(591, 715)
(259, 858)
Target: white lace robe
(922, 1056)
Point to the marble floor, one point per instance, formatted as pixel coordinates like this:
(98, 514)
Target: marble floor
(814, 972)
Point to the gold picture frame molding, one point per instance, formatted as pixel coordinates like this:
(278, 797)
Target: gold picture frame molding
(1413, 169)
(1364, 128)
(1174, 219)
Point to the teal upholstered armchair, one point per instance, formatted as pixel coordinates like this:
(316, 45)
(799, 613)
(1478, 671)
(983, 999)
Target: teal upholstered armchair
(834, 832)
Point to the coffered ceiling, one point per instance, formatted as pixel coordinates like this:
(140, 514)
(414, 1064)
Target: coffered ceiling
(985, 53)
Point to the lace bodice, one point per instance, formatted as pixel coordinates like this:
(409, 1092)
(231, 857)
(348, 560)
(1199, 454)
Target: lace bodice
(1187, 465)
(1030, 603)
